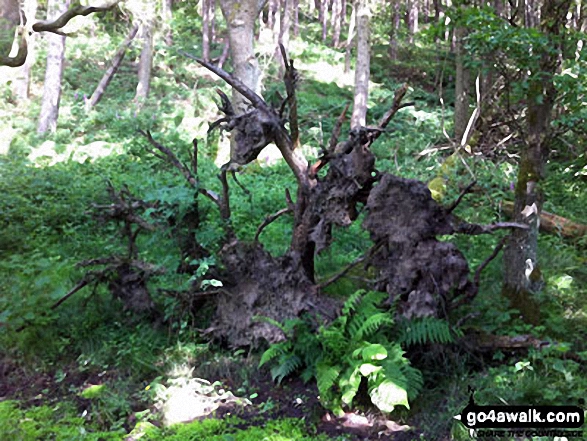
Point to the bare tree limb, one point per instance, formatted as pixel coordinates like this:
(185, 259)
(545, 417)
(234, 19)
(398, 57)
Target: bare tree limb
(269, 219)
(454, 205)
(230, 79)
(172, 158)
(342, 273)
(20, 57)
(397, 100)
(290, 79)
(475, 229)
(56, 25)
(336, 130)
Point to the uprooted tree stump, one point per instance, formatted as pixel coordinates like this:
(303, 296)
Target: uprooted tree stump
(426, 275)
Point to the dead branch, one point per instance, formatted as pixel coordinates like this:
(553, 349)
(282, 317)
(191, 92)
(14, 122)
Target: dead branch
(467, 189)
(476, 229)
(172, 158)
(456, 302)
(56, 25)
(342, 273)
(290, 79)
(336, 130)
(20, 57)
(397, 100)
(237, 84)
(75, 289)
(269, 219)
(553, 223)
(487, 261)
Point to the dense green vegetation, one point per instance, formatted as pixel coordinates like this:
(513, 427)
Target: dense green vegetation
(52, 356)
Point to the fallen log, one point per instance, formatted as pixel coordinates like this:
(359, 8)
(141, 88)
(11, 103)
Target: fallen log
(553, 223)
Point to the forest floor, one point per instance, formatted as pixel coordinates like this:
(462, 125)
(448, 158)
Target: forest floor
(292, 399)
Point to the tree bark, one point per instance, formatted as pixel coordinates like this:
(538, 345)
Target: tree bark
(114, 65)
(240, 18)
(9, 21)
(296, 18)
(145, 61)
(349, 40)
(362, 69)
(53, 72)
(522, 275)
(461, 116)
(22, 82)
(167, 17)
(324, 18)
(206, 16)
(335, 23)
(394, 29)
(412, 20)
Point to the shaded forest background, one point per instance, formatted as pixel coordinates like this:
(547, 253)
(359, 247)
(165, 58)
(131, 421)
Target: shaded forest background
(383, 205)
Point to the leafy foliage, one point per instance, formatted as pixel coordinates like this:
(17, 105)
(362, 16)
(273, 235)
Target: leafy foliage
(355, 347)
(426, 330)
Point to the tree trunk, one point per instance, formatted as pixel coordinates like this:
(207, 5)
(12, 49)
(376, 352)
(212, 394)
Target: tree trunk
(362, 69)
(9, 21)
(522, 275)
(53, 72)
(240, 18)
(412, 20)
(335, 23)
(349, 40)
(461, 117)
(167, 17)
(114, 65)
(324, 18)
(285, 23)
(22, 82)
(145, 61)
(206, 15)
(394, 30)
(296, 18)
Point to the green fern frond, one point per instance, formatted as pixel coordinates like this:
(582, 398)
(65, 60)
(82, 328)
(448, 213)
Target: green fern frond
(352, 302)
(425, 330)
(275, 351)
(326, 375)
(287, 366)
(371, 325)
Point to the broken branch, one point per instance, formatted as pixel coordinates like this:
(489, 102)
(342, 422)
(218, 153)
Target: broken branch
(269, 219)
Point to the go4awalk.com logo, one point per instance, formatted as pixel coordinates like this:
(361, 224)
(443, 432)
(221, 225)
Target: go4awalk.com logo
(522, 421)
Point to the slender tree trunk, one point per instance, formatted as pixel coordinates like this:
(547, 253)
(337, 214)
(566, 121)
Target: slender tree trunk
(296, 18)
(272, 14)
(212, 21)
(145, 61)
(412, 20)
(461, 117)
(285, 22)
(362, 69)
(522, 275)
(22, 82)
(240, 16)
(324, 18)
(53, 72)
(335, 22)
(167, 17)
(206, 14)
(114, 65)
(349, 40)
(394, 29)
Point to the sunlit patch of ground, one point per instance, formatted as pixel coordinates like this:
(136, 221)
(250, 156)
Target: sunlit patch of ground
(49, 153)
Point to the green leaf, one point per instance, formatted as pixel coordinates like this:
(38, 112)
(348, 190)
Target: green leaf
(374, 352)
(367, 369)
(387, 395)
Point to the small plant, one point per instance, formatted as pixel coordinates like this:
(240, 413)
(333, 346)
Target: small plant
(353, 348)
